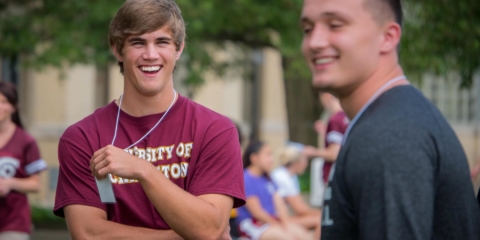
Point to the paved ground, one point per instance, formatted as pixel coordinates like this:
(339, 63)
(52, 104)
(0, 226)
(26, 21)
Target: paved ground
(45, 234)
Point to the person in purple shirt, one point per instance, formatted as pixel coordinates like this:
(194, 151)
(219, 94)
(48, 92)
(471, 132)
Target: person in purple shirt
(174, 166)
(265, 215)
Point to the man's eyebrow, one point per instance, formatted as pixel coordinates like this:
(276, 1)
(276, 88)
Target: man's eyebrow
(164, 39)
(330, 14)
(135, 39)
(306, 20)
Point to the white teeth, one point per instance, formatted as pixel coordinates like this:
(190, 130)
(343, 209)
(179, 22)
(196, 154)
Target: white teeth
(150, 68)
(323, 60)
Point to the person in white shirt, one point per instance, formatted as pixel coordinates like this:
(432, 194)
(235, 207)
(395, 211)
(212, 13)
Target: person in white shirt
(294, 161)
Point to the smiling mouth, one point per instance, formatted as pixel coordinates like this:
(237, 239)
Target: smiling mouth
(324, 60)
(150, 69)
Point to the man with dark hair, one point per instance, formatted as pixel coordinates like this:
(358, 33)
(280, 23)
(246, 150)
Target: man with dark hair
(175, 166)
(401, 172)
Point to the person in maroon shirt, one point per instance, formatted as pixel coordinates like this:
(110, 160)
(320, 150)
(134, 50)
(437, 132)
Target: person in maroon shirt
(175, 166)
(336, 127)
(20, 165)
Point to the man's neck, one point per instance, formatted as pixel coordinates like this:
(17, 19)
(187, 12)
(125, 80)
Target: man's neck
(355, 100)
(138, 105)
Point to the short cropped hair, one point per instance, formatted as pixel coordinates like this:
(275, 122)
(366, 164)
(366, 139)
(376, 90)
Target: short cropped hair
(385, 9)
(137, 17)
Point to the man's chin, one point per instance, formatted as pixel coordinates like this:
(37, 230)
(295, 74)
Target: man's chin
(322, 85)
(149, 91)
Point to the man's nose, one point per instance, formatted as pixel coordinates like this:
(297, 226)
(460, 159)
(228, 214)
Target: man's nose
(151, 52)
(318, 38)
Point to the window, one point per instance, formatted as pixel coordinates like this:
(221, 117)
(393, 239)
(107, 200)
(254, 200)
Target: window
(9, 69)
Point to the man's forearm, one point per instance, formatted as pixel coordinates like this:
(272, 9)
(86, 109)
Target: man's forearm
(188, 215)
(116, 231)
(86, 222)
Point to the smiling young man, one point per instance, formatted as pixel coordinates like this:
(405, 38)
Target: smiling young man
(175, 165)
(401, 172)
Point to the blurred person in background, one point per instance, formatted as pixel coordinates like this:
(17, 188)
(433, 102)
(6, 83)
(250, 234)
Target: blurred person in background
(20, 167)
(265, 215)
(333, 133)
(474, 174)
(401, 172)
(294, 161)
(233, 214)
(475, 170)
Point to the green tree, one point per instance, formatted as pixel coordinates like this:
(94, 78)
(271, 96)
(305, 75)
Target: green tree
(439, 36)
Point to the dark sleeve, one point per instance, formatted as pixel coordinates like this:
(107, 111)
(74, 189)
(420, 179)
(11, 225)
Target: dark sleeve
(390, 177)
(76, 185)
(218, 169)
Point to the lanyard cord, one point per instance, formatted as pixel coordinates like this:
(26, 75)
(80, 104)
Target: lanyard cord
(144, 136)
(374, 96)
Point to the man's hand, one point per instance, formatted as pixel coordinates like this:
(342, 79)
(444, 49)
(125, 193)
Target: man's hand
(226, 233)
(113, 160)
(5, 186)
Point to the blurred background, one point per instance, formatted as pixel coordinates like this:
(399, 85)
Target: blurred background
(242, 59)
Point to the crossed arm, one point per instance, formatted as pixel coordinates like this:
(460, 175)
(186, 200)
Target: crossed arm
(190, 217)
(85, 222)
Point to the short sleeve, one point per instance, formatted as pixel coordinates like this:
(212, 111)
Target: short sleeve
(33, 162)
(337, 126)
(218, 169)
(286, 184)
(76, 185)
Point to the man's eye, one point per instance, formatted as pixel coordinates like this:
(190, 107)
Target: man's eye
(335, 25)
(306, 30)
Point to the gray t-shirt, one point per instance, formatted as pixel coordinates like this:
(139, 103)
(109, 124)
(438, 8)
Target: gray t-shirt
(401, 174)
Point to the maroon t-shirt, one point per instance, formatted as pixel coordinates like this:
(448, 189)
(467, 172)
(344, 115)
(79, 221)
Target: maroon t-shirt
(196, 148)
(19, 158)
(337, 125)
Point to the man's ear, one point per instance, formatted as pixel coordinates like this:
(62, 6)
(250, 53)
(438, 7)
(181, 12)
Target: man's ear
(391, 37)
(179, 52)
(117, 55)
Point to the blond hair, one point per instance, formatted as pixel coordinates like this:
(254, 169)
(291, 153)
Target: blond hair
(289, 154)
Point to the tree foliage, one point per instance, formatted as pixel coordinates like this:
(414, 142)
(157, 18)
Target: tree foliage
(442, 36)
(439, 36)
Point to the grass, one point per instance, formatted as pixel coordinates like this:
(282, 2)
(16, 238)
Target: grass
(43, 217)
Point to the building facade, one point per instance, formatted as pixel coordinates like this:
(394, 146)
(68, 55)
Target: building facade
(53, 99)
